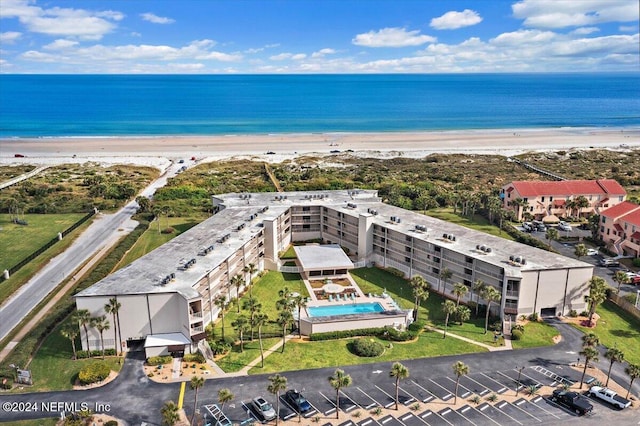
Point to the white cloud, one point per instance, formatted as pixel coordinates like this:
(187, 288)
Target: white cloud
(9, 37)
(560, 14)
(454, 20)
(199, 50)
(628, 28)
(135, 34)
(155, 19)
(585, 30)
(392, 37)
(285, 56)
(56, 21)
(322, 52)
(60, 44)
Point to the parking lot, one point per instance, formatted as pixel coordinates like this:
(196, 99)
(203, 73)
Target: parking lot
(428, 400)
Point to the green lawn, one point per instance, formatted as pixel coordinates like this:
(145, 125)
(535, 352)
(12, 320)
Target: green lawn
(20, 240)
(617, 327)
(53, 367)
(289, 253)
(535, 334)
(333, 353)
(236, 360)
(477, 222)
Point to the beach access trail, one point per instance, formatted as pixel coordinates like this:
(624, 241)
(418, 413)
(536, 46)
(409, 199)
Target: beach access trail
(104, 232)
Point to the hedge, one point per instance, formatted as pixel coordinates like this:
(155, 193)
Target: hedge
(197, 357)
(159, 360)
(516, 335)
(95, 353)
(386, 333)
(94, 373)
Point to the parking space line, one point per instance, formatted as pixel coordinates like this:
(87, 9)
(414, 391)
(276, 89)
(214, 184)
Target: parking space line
(331, 410)
(464, 395)
(536, 400)
(448, 396)
(523, 401)
(389, 404)
(431, 396)
(501, 405)
(366, 422)
(428, 413)
(502, 389)
(375, 403)
(491, 407)
(350, 407)
(482, 393)
(480, 412)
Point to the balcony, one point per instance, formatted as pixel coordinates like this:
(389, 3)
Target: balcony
(198, 329)
(511, 293)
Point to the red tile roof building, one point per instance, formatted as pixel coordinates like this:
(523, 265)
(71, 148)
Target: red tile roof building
(620, 228)
(540, 199)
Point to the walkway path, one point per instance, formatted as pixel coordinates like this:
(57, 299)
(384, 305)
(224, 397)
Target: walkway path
(22, 177)
(507, 342)
(245, 370)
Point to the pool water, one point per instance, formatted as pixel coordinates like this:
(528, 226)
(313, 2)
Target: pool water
(354, 308)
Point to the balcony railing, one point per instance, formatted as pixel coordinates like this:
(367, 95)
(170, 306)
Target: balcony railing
(198, 329)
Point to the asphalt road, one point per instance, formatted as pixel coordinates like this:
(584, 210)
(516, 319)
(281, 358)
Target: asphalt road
(103, 231)
(136, 399)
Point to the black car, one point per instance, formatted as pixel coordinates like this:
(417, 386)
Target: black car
(297, 401)
(572, 400)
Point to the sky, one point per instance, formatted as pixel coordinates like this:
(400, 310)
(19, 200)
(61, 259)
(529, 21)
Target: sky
(317, 36)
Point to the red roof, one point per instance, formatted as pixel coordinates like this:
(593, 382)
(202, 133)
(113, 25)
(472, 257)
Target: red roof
(636, 235)
(559, 202)
(619, 210)
(510, 189)
(633, 218)
(569, 188)
(618, 227)
(604, 200)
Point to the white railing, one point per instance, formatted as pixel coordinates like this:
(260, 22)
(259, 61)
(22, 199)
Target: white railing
(290, 269)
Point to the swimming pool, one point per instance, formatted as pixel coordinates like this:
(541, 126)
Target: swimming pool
(353, 308)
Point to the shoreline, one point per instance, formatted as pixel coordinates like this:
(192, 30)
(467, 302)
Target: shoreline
(279, 147)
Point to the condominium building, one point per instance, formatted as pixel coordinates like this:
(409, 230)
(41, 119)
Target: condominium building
(168, 296)
(620, 228)
(578, 198)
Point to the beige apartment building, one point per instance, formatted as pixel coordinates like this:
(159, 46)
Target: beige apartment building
(620, 228)
(558, 199)
(168, 295)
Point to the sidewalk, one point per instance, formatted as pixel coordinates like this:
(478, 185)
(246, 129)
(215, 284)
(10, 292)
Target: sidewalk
(507, 342)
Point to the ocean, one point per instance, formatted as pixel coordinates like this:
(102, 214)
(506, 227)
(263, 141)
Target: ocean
(157, 105)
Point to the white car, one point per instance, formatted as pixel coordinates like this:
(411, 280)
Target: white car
(610, 396)
(563, 226)
(592, 252)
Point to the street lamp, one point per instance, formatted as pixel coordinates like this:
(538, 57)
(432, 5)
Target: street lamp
(519, 374)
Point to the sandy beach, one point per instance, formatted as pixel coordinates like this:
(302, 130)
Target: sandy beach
(156, 150)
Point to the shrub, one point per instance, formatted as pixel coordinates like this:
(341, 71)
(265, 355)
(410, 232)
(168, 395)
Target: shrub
(518, 327)
(636, 262)
(516, 335)
(416, 326)
(168, 230)
(6, 383)
(220, 348)
(93, 373)
(584, 314)
(332, 335)
(367, 348)
(398, 336)
(197, 357)
(394, 271)
(159, 360)
(534, 317)
(573, 313)
(111, 423)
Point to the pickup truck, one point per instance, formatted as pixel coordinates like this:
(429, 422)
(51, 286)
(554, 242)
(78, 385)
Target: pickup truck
(572, 400)
(609, 396)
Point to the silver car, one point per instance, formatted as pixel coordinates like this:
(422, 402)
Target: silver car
(265, 409)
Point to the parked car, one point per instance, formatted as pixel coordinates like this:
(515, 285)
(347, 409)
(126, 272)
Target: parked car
(592, 252)
(608, 262)
(572, 400)
(527, 226)
(297, 401)
(265, 410)
(634, 277)
(609, 396)
(564, 226)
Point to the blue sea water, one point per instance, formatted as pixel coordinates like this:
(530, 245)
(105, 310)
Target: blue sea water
(156, 105)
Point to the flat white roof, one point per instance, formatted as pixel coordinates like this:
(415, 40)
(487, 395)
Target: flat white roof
(320, 257)
(165, 339)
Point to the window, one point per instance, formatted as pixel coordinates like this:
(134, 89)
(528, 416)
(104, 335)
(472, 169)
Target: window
(437, 249)
(306, 226)
(435, 271)
(306, 217)
(468, 259)
(604, 219)
(542, 199)
(467, 271)
(407, 249)
(407, 259)
(550, 198)
(306, 209)
(407, 238)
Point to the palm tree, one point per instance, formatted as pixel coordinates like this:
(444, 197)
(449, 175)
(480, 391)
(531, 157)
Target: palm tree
(490, 294)
(517, 203)
(221, 302)
(240, 324)
(613, 355)
(253, 306)
(463, 313)
(551, 235)
(70, 332)
(284, 319)
(590, 354)
(420, 293)
(338, 381)
(237, 281)
(102, 324)
(196, 383)
(83, 317)
(225, 395)
(277, 384)
(398, 372)
(113, 308)
(284, 303)
(477, 287)
(459, 290)
(459, 369)
(301, 303)
(633, 370)
(260, 319)
(169, 413)
(621, 278)
(445, 274)
(580, 251)
(250, 269)
(597, 295)
(449, 308)
(590, 339)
